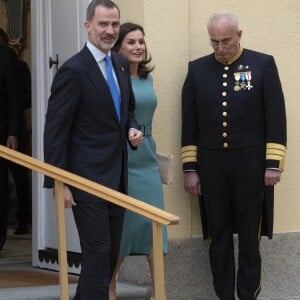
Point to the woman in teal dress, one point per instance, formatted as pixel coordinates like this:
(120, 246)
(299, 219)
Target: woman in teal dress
(144, 181)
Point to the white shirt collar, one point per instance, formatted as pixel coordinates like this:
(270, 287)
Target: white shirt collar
(97, 54)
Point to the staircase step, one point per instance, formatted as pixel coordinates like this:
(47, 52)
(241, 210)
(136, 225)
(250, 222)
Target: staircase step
(131, 291)
(126, 291)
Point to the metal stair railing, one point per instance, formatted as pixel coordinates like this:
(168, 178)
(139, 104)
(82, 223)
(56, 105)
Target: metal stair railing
(158, 216)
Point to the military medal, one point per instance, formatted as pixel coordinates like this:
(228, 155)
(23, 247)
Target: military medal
(243, 78)
(237, 76)
(248, 77)
(236, 88)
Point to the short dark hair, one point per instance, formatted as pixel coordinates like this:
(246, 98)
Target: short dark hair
(90, 12)
(125, 28)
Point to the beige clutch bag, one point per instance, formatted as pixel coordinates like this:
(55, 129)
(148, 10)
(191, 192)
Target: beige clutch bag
(164, 161)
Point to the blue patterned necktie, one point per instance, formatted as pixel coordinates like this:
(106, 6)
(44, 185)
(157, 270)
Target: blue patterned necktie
(112, 85)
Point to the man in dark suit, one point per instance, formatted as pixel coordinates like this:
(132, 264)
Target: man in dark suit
(20, 174)
(233, 149)
(84, 135)
(9, 126)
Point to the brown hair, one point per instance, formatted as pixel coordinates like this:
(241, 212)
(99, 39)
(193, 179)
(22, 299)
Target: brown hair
(125, 28)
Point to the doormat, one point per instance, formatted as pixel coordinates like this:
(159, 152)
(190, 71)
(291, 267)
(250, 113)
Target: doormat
(22, 278)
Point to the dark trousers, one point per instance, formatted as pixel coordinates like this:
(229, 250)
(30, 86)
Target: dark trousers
(22, 181)
(23, 193)
(232, 190)
(3, 201)
(99, 225)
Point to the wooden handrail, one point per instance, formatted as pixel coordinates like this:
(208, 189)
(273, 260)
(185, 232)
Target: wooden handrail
(90, 186)
(158, 216)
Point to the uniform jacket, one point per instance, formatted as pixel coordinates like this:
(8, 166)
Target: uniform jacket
(234, 105)
(82, 132)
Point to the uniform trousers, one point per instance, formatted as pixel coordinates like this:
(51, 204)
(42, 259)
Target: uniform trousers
(232, 184)
(99, 224)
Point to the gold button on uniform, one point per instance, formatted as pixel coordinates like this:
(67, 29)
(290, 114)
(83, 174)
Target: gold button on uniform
(226, 68)
(224, 104)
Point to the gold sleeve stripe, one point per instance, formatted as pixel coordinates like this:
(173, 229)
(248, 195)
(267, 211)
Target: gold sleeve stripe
(189, 154)
(275, 151)
(276, 146)
(274, 157)
(189, 159)
(189, 148)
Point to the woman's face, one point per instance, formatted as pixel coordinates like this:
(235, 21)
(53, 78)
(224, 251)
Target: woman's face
(133, 46)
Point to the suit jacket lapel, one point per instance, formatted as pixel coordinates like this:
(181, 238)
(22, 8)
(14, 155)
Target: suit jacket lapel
(96, 77)
(92, 70)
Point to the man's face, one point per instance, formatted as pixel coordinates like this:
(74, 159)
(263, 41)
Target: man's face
(103, 29)
(224, 40)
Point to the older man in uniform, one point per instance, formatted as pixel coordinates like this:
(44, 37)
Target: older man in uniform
(233, 149)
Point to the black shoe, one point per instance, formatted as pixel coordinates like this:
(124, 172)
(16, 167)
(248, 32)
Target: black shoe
(21, 229)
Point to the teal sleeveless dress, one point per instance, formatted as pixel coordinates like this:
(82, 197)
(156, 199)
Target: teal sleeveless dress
(144, 181)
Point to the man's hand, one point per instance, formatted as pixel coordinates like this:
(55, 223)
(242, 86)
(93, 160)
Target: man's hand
(135, 137)
(69, 201)
(12, 142)
(192, 183)
(272, 176)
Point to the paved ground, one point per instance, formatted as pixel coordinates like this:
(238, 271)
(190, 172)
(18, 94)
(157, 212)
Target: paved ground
(188, 275)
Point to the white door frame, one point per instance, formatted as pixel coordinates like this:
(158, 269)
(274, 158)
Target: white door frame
(41, 82)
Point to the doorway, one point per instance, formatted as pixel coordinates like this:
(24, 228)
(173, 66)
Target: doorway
(15, 32)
